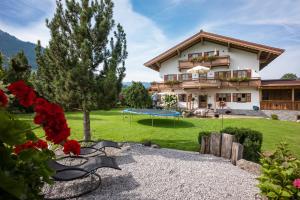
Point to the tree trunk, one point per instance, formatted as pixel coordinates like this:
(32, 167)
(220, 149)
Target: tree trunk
(86, 125)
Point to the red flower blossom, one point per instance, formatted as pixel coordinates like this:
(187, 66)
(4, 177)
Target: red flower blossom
(23, 93)
(52, 118)
(72, 146)
(40, 144)
(3, 99)
(296, 183)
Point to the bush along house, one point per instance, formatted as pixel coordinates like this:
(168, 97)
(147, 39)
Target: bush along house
(233, 76)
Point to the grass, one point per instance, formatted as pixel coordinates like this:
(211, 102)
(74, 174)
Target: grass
(110, 125)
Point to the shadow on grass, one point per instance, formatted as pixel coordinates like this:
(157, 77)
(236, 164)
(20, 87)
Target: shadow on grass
(166, 123)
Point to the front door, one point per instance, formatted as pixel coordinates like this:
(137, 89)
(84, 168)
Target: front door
(202, 101)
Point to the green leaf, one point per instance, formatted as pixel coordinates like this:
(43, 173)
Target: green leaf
(272, 195)
(285, 194)
(14, 187)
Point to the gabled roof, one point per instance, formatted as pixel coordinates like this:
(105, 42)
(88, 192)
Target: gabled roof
(265, 53)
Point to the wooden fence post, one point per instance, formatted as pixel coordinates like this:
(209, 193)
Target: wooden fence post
(205, 143)
(237, 152)
(227, 141)
(215, 144)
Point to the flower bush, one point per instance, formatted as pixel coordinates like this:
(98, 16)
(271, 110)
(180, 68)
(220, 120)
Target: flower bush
(280, 177)
(169, 101)
(24, 156)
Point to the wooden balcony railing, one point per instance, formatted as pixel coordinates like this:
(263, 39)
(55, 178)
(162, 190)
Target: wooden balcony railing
(279, 105)
(220, 61)
(247, 83)
(196, 83)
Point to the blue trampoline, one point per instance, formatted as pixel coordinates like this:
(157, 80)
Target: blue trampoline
(153, 113)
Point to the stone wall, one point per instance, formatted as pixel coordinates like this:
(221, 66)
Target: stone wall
(289, 115)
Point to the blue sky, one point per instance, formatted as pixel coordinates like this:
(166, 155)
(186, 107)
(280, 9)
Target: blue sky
(153, 26)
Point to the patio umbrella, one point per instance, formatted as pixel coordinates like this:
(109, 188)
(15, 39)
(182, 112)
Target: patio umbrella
(198, 70)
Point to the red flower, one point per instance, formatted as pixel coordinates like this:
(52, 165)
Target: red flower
(40, 144)
(23, 93)
(72, 146)
(3, 99)
(52, 118)
(296, 183)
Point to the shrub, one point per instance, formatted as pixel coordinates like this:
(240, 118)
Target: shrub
(136, 96)
(274, 117)
(250, 139)
(280, 174)
(169, 101)
(203, 133)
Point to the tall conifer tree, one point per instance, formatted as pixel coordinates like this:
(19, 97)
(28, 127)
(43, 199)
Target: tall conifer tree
(80, 66)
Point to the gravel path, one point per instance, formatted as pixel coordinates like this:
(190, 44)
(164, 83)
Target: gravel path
(149, 173)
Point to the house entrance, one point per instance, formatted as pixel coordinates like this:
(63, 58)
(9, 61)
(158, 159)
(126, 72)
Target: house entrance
(202, 101)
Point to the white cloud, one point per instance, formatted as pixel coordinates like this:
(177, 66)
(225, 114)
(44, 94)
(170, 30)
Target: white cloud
(144, 39)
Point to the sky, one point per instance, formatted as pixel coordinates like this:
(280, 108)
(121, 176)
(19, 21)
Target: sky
(153, 26)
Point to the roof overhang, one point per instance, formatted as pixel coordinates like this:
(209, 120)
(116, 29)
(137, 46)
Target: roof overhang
(266, 54)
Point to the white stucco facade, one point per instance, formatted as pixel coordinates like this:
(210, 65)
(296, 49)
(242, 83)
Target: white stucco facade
(239, 60)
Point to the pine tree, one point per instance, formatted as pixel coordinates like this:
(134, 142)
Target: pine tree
(80, 64)
(18, 69)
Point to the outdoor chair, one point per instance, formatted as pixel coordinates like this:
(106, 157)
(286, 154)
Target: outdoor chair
(90, 147)
(79, 171)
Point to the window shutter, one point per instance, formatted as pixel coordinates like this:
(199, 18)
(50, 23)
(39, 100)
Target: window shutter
(248, 97)
(190, 77)
(249, 73)
(216, 75)
(165, 78)
(228, 97)
(235, 73)
(234, 97)
(217, 96)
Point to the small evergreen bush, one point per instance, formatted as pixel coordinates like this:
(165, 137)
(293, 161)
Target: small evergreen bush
(274, 117)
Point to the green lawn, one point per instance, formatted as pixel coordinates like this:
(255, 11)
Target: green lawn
(110, 125)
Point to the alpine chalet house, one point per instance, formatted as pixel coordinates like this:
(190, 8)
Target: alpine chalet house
(234, 76)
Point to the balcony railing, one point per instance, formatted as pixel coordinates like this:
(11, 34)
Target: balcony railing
(279, 105)
(220, 61)
(197, 83)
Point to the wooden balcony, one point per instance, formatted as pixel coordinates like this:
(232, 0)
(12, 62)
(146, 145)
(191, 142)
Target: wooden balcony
(248, 83)
(196, 83)
(220, 61)
(201, 83)
(279, 105)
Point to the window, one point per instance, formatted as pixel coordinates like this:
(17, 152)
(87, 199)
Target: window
(297, 95)
(211, 53)
(223, 97)
(223, 75)
(185, 77)
(241, 97)
(182, 97)
(194, 55)
(242, 73)
(277, 94)
(171, 77)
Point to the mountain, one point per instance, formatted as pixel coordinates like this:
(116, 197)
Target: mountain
(10, 46)
(145, 84)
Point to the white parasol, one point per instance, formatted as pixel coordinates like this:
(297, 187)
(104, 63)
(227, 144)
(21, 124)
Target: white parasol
(198, 70)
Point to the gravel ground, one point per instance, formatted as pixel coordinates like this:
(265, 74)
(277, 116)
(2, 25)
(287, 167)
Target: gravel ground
(149, 173)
